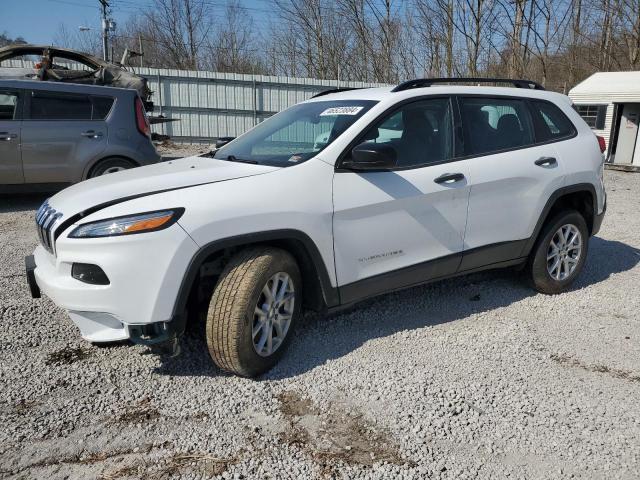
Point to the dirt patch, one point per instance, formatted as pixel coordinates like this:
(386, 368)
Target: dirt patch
(67, 356)
(88, 459)
(335, 436)
(176, 465)
(612, 372)
(205, 464)
(25, 406)
(141, 412)
(292, 405)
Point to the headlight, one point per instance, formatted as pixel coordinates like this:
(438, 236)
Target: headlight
(129, 224)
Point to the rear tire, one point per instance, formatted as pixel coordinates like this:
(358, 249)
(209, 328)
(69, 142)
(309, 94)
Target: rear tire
(560, 252)
(253, 310)
(110, 165)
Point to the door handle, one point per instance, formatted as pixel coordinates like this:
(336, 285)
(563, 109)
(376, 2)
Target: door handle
(449, 178)
(7, 137)
(546, 161)
(91, 134)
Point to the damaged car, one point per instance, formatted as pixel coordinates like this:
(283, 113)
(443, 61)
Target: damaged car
(46, 63)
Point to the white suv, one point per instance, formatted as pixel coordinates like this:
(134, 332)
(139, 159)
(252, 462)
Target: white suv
(410, 184)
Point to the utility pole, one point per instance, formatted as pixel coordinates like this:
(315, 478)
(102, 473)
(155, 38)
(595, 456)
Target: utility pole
(105, 30)
(140, 49)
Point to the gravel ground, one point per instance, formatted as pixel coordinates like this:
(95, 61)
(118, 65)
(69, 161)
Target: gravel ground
(476, 377)
(169, 150)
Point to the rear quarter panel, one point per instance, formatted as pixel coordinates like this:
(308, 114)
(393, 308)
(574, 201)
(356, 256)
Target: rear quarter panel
(124, 139)
(581, 156)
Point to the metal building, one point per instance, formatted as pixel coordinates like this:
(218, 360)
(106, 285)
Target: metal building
(610, 104)
(209, 105)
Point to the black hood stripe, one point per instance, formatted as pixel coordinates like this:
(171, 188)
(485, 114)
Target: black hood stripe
(84, 213)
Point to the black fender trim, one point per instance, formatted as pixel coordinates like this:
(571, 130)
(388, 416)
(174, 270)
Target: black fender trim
(598, 218)
(329, 292)
(578, 187)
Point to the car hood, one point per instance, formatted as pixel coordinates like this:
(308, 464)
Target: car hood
(93, 194)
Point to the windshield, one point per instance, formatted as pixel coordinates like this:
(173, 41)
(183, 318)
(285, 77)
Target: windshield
(296, 134)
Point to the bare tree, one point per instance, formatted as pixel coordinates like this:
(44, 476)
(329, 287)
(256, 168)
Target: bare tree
(182, 28)
(86, 41)
(232, 47)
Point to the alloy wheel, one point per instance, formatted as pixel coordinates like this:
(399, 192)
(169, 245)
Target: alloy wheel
(113, 170)
(273, 314)
(563, 254)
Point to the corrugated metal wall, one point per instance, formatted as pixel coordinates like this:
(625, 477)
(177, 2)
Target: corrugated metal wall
(211, 105)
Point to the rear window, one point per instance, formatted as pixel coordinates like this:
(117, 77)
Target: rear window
(67, 106)
(56, 106)
(101, 107)
(551, 123)
(495, 124)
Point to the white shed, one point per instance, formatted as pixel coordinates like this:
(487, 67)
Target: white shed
(610, 104)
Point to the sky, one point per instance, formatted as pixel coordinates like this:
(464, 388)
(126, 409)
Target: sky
(38, 21)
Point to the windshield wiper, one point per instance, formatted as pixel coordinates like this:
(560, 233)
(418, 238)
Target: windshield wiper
(232, 158)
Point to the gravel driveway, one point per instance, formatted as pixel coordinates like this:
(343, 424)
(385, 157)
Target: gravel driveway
(476, 377)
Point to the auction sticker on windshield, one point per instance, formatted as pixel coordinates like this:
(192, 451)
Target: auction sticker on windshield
(341, 111)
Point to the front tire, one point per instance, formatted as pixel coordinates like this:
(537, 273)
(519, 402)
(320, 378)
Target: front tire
(253, 310)
(560, 252)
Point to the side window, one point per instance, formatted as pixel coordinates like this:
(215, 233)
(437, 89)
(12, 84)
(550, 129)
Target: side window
(101, 107)
(593, 115)
(420, 132)
(8, 105)
(495, 124)
(54, 106)
(551, 123)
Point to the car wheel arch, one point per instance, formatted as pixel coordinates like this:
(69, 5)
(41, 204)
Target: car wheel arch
(581, 197)
(93, 165)
(318, 291)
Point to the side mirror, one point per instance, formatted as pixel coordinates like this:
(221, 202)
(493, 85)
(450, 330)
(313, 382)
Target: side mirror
(222, 141)
(371, 156)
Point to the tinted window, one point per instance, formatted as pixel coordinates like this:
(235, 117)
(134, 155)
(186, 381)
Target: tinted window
(8, 103)
(420, 132)
(48, 106)
(494, 124)
(551, 122)
(101, 107)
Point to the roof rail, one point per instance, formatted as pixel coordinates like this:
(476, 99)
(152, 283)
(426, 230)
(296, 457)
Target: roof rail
(427, 82)
(335, 90)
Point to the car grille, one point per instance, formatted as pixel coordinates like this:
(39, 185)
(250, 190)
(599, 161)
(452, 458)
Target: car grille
(46, 218)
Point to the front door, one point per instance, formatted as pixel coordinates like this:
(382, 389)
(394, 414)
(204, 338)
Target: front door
(628, 133)
(401, 227)
(10, 123)
(59, 137)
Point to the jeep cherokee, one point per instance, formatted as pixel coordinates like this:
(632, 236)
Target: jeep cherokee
(342, 197)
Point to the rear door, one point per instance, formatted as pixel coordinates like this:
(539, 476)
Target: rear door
(10, 126)
(59, 137)
(513, 172)
(406, 225)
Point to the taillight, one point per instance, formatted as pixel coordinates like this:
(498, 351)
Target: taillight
(141, 119)
(602, 143)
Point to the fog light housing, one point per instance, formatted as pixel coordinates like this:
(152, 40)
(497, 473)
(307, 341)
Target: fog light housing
(89, 273)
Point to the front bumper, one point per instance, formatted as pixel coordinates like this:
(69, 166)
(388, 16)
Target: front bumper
(144, 270)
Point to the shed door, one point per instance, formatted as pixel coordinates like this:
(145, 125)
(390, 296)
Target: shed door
(628, 133)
